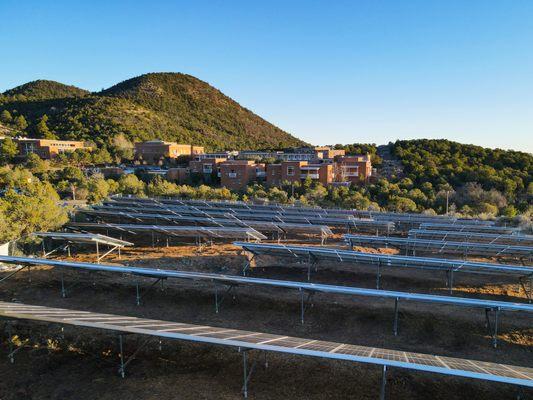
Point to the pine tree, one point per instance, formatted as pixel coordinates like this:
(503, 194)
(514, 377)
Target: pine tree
(42, 129)
(20, 123)
(6, 117)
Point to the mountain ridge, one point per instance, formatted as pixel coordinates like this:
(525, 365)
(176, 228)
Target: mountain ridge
(169, 106)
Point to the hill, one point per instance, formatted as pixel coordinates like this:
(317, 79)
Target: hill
(43, 89)
(168, 106)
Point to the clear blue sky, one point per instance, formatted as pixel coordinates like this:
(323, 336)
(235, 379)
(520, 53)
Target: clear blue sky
(326, 71)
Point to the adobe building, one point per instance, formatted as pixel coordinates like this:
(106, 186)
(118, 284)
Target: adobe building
(237, 174)
(179, 175)
(206, 168)
(298, 171)
(154, 151)
(48, 148)
(355, 169)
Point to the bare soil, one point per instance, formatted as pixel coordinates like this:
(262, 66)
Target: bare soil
(82, 363)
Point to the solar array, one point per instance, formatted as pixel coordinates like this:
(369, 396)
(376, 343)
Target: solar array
(516, 375)
(301, 287)
(460, 227)
(270, 227)
(411, 245)
(312, 255)
(362, 225)
(83, 238)
(197, 231)
(526, 240)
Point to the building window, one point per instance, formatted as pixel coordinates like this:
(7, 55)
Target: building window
(290, 171)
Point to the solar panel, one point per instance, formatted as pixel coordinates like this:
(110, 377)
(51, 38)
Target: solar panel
(461, 227)
(83, 238)
(276, 343)
(192, 231)
(526, 240)
(321, 253)
(362, 225)
(261, 226)
(441, 246)
(233, 279)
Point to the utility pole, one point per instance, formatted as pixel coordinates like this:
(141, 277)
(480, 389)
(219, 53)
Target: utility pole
(447, 200)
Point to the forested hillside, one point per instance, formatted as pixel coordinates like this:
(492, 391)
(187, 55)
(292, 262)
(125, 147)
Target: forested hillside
(479, 178)
(169, 106)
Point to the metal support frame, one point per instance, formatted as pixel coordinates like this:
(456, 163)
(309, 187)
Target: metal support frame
(16, 272)
(522, 283)
(304, 303)
(382, 391)
(312, 261)
(220, 298)
(395, 325)
(124, 361)
(139, 296)
(247, 372)
(449, 280)
(64, 288)
(493, 328)
(247, 265)
(11, 347)
(378, 275)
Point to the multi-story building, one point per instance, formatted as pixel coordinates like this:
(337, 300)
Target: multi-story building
(219, 154)
(207, 168)
(297, 171)
(355, 168)
(154, 151)
(237, 174)
(47, 148)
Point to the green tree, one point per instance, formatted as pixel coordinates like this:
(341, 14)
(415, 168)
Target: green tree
(42, 130)
(6, 117)
(8, 150)
(130, 184)
(20, 123)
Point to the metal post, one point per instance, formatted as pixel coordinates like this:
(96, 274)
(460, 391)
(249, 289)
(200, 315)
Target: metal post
(302, 309)
(97, 253)
(216, 298)
(138, 294)
(395, 328)
(450, 283)
(378, 275)
(383, 383)
(495, 335)
(63, 289)
(122, 369)
(245, 375)
(10, 334)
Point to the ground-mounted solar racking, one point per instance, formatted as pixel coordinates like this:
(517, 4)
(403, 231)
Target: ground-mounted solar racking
(306, 290)
(199, 233)
(459, 227)
(278, 230)
(466, 249)
(82, 238)
(455, 236)
(310, 256)
(246, 341)
(350, 224)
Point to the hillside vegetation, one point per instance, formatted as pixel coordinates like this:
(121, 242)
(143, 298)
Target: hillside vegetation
(168, 106)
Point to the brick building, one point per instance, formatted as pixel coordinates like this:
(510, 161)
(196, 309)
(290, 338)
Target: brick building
(154, 151)
(355, 169)
(206, 168)
(297, 171)
(47, 148)
(237, 174)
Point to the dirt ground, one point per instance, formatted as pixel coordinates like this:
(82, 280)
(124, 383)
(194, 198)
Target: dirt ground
(83, 363)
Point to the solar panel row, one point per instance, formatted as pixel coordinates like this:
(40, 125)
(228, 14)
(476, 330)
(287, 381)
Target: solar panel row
(275, 343)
